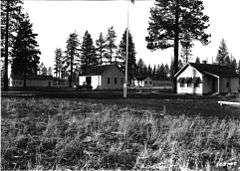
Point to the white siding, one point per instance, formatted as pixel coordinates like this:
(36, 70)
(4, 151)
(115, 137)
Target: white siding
(95, 81)
(82, 79)
(190, 72)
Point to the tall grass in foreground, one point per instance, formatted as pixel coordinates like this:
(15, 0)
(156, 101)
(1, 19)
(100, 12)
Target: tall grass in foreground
(60, 134)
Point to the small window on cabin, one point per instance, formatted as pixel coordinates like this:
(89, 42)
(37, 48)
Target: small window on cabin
(115, 80)
(181, 84)
(228, 84)
(196, 84)
(146, 82)
(108, 80)
(150, 82)
(189, 84)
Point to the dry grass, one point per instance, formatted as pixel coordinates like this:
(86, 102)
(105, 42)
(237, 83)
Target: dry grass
(60, 134)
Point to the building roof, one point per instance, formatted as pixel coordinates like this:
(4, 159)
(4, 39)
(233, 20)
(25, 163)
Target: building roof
(99, 70)
(33, 77)
(211, 69)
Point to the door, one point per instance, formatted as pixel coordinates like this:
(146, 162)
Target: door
(88, 80)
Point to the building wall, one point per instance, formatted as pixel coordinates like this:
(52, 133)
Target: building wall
(95, 81)
(208, 84)
(112, 74)
(233, 85)
(82, 80)
(190, 72)
(147, 82)
(32, 83)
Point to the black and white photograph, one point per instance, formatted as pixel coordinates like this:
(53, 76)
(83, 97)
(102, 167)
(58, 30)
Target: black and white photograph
(120, 85)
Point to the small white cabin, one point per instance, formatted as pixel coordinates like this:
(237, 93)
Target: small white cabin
(201, 79)
(103, 77)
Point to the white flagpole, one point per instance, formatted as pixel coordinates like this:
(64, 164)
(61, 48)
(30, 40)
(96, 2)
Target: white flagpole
(126, 58)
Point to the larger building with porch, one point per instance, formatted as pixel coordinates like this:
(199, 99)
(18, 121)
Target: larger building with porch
(202, 79)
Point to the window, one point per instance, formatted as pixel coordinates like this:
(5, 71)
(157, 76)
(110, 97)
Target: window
(196, 84)
(108, 80)
(146, 82)
(228, 85)
(115, 80)
(150, 82)
(181, 84)
(189, 84)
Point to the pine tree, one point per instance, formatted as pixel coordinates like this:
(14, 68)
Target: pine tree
(58, 62)
(49, 71)
(238, 67)
(110, 45)
(234, 64)
(100, 49)
(167, 69)
(131, 55)
(25, 51)
(161, 72)
(88, 53)
(197, 60)
(72, 54)
(140, 70)
(180, 64)
(171, 20)
(44, 71)
(222, 55)
(186, 52)
(11, 12)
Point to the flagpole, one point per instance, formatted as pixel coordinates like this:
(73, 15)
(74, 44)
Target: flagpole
(126, 59)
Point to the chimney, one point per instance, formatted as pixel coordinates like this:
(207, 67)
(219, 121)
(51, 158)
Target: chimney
(204, 62)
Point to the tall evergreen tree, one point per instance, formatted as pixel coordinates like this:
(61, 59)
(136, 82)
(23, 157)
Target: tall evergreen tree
(238, 67)
(100, 48)
(186, 52)
(140, 75)
(25, 50)
(197, 60)
(44, 71)
(72, 54)
(110, 45)
(161, 73)
(49, 71)
(222, 55)
(88, 53)
(10, 16)
(131, 54)
(58, 63)
(233, 63)
(171, 20)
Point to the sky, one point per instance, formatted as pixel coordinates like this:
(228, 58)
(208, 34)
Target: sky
(55, 20)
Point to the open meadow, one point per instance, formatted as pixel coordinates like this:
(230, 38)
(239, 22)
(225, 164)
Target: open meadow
(41, 133)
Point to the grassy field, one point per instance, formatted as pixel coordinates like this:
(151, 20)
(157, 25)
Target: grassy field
(118, 134)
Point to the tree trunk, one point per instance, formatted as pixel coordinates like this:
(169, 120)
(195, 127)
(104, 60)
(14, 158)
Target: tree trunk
(24, 80)
(71, 72)
(5, 77)
(176, 46)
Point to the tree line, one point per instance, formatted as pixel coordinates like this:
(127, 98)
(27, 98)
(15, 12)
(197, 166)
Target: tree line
(79, 56)
(18, 45)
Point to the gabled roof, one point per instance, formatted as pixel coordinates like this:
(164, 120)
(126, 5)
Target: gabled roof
(211, 69)
(99, 70)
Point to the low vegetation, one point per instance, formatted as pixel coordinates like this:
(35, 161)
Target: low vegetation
(70, 134)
